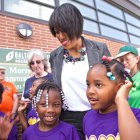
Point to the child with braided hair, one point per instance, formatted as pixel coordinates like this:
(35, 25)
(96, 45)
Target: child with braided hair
(48, 101)
(111, 116)
(31, 117)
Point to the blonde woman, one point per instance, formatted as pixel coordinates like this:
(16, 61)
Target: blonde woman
(38, 64)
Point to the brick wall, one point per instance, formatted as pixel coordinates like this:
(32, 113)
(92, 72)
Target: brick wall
(41, 38)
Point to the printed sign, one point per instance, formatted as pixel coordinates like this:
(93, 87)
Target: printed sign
(13, 56)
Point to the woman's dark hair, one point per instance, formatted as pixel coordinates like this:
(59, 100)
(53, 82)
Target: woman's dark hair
(1, 91)
(66, 18)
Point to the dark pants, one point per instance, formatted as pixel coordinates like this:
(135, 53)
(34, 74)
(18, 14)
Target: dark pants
(75, 118)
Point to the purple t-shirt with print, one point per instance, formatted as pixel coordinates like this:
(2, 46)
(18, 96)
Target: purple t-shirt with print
(32, 117)
(98, 126)
(62, 131)
(13, 133)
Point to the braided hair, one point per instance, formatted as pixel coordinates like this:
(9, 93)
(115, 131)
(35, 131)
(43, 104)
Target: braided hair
(48, 86)
(117, 68)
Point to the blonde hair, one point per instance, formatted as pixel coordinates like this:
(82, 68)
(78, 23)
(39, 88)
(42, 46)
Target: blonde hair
(39, 53)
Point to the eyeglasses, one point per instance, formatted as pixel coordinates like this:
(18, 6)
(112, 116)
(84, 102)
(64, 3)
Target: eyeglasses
(37, 62)
(127, 59)
(2, 72)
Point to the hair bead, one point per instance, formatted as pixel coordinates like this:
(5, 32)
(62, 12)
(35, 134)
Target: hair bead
(48, 86)
(118, 69)
(111, 76)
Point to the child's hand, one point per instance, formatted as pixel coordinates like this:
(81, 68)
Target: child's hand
(123, 92)
(6, 125)
(22, 105)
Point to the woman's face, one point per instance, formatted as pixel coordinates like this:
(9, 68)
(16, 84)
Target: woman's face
(129, 60)
(65, 41)
(37, 65)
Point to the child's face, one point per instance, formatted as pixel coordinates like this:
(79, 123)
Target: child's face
(101, 91)
(35, 84)
(49, 116)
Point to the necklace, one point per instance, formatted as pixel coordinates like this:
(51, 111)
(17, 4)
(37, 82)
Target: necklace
(69, 58)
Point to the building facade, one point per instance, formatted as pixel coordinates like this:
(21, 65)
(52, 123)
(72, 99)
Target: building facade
(108, 21)
(114, 22)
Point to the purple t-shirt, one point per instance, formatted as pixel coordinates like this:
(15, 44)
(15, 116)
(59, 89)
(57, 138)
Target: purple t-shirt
(62, 131)
(13, 133)
(32, 117)
(103, 126)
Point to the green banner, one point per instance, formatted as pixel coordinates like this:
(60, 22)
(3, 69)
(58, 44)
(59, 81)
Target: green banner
(17, 74)
(13, 56)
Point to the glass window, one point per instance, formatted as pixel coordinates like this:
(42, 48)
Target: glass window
(135, 40)
(24, 8)
(91, 26)
(45, 13)
(111, 21)
(64, 1)
(86, 11)
(0, 4)
(87, 2)
(51, 2)
(132, 20)
(110, 9)
(110, 32)
(133, 30)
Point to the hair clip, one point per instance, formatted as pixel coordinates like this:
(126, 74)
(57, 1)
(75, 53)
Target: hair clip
(111, 76)
(105, 58)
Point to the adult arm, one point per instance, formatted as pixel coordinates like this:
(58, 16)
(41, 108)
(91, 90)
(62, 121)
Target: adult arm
(129, 127)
